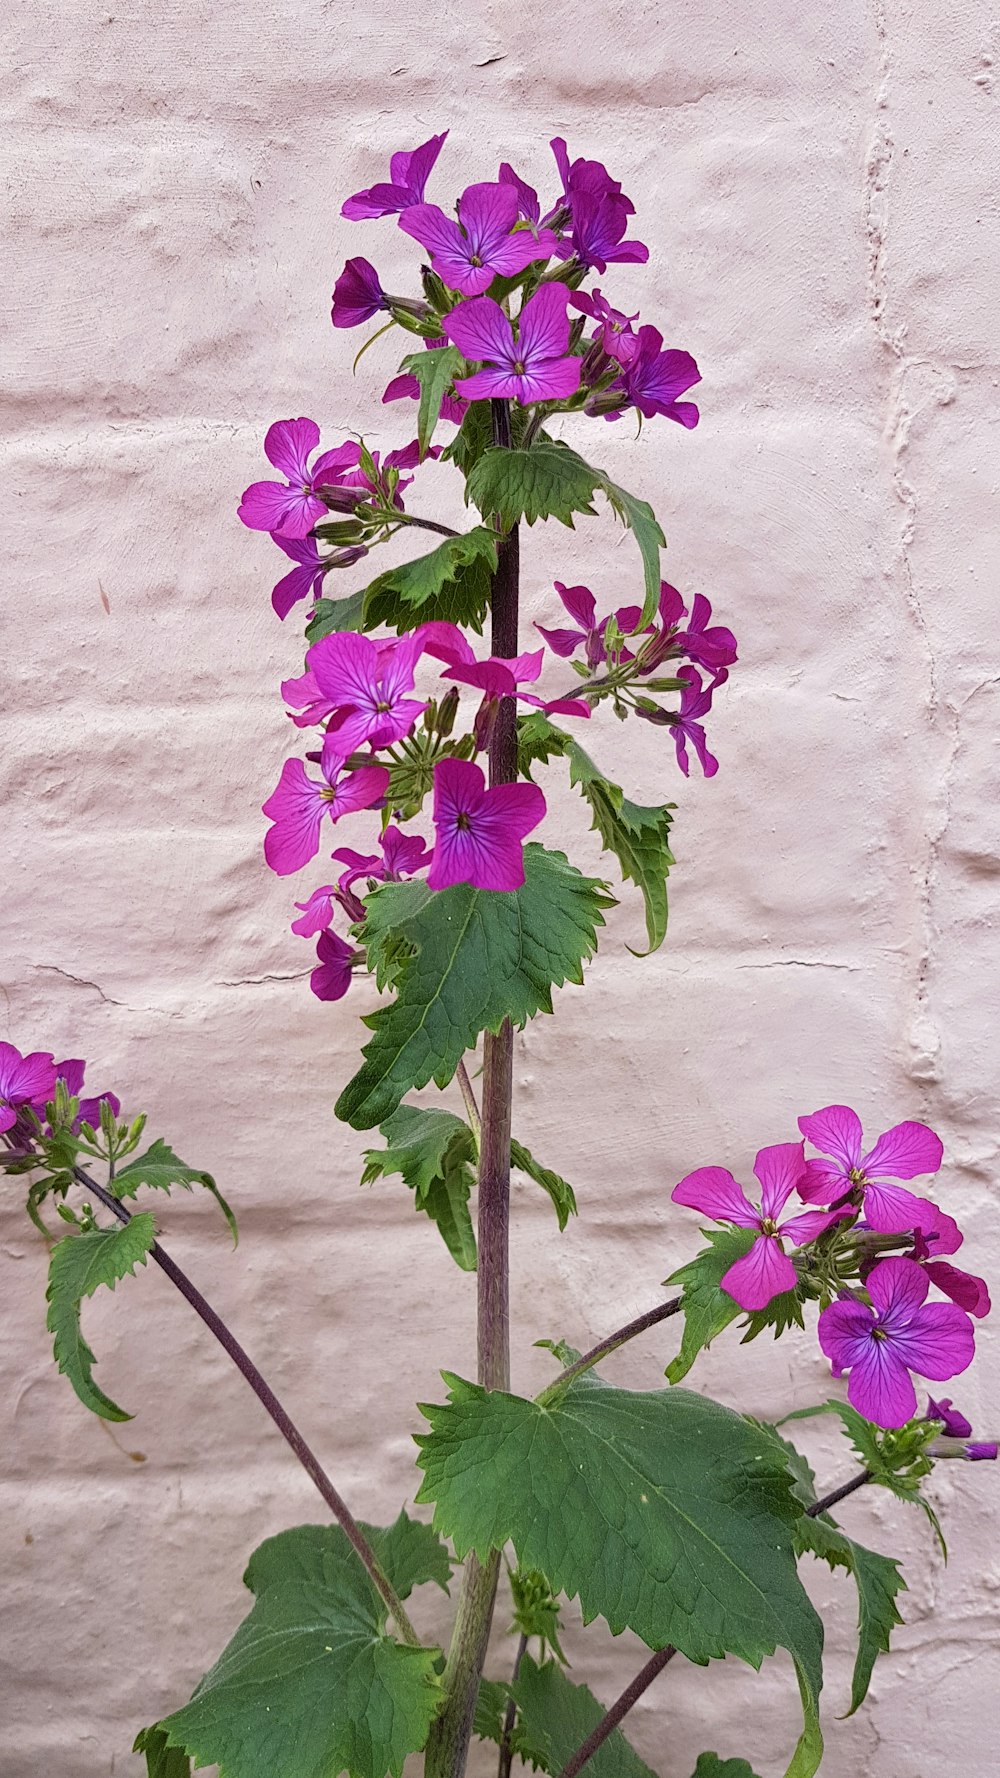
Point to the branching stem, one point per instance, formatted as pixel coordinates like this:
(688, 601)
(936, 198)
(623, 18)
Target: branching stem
(553, 1390)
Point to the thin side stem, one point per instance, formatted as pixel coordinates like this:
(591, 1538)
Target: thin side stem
(610, 1344)
(841, 1493)
(269, 1401)
(509, 1715)
(619, 1709)
(465, 1085)
(409, 518)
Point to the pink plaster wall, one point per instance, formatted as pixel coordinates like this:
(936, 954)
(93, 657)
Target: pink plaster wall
(818, 185)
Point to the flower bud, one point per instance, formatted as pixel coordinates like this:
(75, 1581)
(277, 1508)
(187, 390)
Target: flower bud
(340, 499)
(447, 710)
(435, 290)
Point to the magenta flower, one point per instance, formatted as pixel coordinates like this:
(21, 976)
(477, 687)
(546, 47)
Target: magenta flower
(402, 855)
(298, 804)
(304, 579)
(528, 207)
(766, 1270)
(901, 1153)
(316, 912)
(596, 234)
(364, 684)
(331, 980)
(71, 1072)
(357, 295)
(483, 244)
(538, 368)
(954, 1424)
(479, 832)
(653, 379)
(498, 678)
(408, 172)
(615, 329)
(901, 1333)
(712, 646)
(24, 1080)
(589, 178)
(291, 508)
(579, 601)
(694, 703)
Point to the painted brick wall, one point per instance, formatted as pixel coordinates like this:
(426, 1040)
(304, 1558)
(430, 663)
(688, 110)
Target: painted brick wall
(819, 189)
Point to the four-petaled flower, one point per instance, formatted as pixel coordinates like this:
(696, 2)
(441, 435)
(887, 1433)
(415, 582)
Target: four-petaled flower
(479, 832)
(586, 177)
(298, 805)
(766, 1270)
(596, 234)
(900, 1333)
(483, 244)
(291, 508)
(579, 601)
(409, 172)
(615, 329)
(357, 294)
(903, 1152)
(332, 978)
(305, 578)
(695, 703)
(365, 684)
(24, 1080)
(537, 368)
(653, 379)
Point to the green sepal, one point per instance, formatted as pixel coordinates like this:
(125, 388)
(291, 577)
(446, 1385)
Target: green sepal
(432, 1151)
(450, 583)
(706, 1308)
(554, 1718)
(461, 960)
(435, 371)
(160, 1169)
(560, 1191)
(656, 1485)
(311, 1685)
(332, 616)
(79, 1265)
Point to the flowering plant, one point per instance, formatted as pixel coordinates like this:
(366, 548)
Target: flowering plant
(660, 1511)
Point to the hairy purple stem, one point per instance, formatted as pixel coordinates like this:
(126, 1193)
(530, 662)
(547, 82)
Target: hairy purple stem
(610, 1344)
(269, 1401)
(620, 1708)
(510, 1714)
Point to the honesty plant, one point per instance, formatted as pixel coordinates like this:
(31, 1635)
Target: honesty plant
(660, 1511)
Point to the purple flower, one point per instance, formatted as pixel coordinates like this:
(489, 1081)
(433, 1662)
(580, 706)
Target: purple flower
(983, 1453)
(964, 1288)
(901, 1333)
(766, 1270)
(954, 1424)
(711, 646)
(483, 244)
(579, 601)
(409, 173)
(615, 329)
(316, 912)
(589, 178)
(71, 1072)
(901, 1153)
(537, 368)
(291, 508)
(479, 831)
(402, 855)
(24, 1080)
(298, 805)
(331, 980)
(694, 703)
(653, 379)
(596, 234)
(528, 207)
(364, 684)
(304, 579)
(497, 678)
(357, 294)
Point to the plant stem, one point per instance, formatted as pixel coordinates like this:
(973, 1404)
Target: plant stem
(269, 1401)
(553, 1390)
(448, 1744)
(465, 1084)
(509, 1715)
(841, 1493)
(409, 518)
(618, 1710)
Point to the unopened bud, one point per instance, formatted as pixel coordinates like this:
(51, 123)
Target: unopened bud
(435, 290)
(447, 711)
(340, 499)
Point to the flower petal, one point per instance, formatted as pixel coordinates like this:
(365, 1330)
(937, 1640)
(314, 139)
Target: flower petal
(779, 1169)
(296, 806)
(543, 325)
(938, 1341)
(288, 444)
(481, 331)
(904, 1152)
(761, 1274)
(837, 1131)
(880, 1386)
(810, 1224)
(897, 1288)
(715, 1192)
(889, 1208)
(579, 601)
(964, 1288)
(487, 213)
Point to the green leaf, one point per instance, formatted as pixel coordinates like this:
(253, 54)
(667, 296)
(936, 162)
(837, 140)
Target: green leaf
(330, 616)
(311, 1685)
(637, 834)
(562, 1194)
(435, 371)
(639, 518)
(452, 582)
(878, 1580)
(432, 1151)
(682, 1515)
(706, 1308)
(160, 1169)
(79, 1265)
(491, 1704)
(538, 741)
(461, 961)
(161, 1761)
(555, 1717)
(474, 436)
(549, 481)
(711, 1766)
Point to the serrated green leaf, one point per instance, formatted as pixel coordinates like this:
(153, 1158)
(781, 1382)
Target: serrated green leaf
(554, 1719)
(79, 1265)
(161, 1761)
(452, 583)
(639, 518)
(538, 741)
(562, 1194)
(706, 1308)
(711, 1766)
(637, 834)
(331, 616)
(311, 1685)
(491, 1705)
(473, 437)
(878, 1580)
(548, 481)
(463, 960)
(435, 371)
(160, 1169)
(682, 1514)
(432, 1151)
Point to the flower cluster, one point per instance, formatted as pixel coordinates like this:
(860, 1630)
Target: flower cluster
(875, 1322)
(28, 1083)
(503, 291)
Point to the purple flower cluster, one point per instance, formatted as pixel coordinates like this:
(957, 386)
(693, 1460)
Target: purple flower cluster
(31, 1081)
(884, 1328)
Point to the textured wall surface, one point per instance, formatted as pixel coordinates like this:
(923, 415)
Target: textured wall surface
(818, 186)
